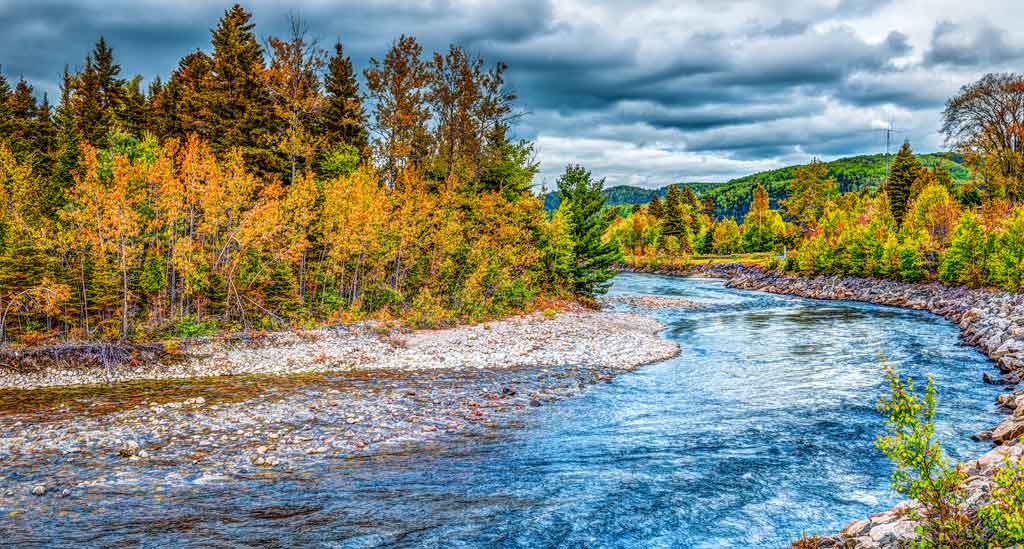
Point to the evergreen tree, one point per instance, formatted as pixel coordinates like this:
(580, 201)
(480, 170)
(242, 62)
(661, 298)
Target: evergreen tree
(673, 219)
(6, 117)
(342, 121)
(241, 111)
(592, 257)
(67, 144)
(809, 194)
(690, 199)
(654, 206)
(98, 94)
(905, 170)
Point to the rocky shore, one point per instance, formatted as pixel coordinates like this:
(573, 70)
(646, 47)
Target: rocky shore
(990, 320)
(335, 394)
(577, 336)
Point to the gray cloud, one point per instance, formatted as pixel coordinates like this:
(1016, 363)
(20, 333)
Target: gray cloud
(644, 93)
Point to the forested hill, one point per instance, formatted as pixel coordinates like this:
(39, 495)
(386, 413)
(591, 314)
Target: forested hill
(732, 198)
(628, 194)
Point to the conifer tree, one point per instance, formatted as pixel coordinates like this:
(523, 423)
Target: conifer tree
(654, 206)
(905, 170)
(241, 112)
(67, 145)
(809, 194)
(342, 121)
(673, 220)
(592, 257)
(6, 117)
(98, 94)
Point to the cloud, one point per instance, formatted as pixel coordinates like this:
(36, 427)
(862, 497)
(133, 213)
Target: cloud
(644, 92)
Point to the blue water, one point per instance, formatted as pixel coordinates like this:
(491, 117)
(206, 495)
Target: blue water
(761, 430)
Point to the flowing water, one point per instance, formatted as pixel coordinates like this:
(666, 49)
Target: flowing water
(760, 430)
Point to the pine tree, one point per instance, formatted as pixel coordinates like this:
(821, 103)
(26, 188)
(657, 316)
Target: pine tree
(241, 112)
(905, 170)
(342, 120)
(98, 94)
(654, 206)
(67, 154)
(809, 194)
(673, 219)
(6, 117)
(690, 199)
(592, 258)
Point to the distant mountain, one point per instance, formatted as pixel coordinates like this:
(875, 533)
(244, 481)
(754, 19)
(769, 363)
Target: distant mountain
(627, 194)
(732, 198)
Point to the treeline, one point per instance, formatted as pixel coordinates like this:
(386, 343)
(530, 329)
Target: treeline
(259, 187)
(921, 224)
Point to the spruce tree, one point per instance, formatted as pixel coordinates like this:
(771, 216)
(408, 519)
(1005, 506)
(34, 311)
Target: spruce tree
(654, 207)
(66, 157)
(342, 120)
(583, 200)
(905, 170)
(241, 111)
(6, 117)
(673, 220)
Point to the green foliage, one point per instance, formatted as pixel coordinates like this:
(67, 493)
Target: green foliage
(342, 159)
(921, 471)
(1004, 515)
(726, 238)
(191, 327)
(905, 171)
(592, 256)
(1006, 263)
(965, 260)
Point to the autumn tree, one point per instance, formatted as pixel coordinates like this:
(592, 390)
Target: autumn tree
(294, 83)
(763, 227)
(809, 193)
(397, 86)
(985, 122)
(726, 237)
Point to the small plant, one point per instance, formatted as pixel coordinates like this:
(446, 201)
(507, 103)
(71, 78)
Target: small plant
(922, 472)
(1004, 515)
(549, 313)
(191, 327)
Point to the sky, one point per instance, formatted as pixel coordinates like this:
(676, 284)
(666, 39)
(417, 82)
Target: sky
(641, 93)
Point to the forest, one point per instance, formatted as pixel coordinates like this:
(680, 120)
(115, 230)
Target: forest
(926, 221)
(258, 187)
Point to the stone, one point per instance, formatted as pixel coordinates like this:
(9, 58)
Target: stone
(128, 449)
(38, 490)
(890, 532)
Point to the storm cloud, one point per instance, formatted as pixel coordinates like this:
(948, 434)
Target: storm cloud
(642, 93)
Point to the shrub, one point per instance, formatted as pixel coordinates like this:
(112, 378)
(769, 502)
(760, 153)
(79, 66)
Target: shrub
(1004, 516)
(922, 472)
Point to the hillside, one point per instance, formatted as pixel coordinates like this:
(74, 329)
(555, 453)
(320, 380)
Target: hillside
(732, 198)
(628, 194)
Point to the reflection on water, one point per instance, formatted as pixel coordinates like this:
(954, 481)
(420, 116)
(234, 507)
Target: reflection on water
(761, 429)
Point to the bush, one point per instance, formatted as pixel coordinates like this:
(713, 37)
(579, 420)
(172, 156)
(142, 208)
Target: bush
(922, 472)
(1004, 516)
(191, 327)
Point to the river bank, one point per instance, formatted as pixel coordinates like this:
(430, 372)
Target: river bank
(575, 336)
(990, 320)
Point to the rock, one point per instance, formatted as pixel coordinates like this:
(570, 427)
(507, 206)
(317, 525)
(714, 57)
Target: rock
(128, 449)
(535, 403)
(38, 490)
(899, 530)
(987, 378)
(1009, 429)
(982, 435)
(65, 493)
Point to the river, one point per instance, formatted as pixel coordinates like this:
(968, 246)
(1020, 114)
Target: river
(761, 430)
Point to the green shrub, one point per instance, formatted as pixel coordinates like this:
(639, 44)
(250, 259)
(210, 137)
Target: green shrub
(1004, 516)
(922, 472)
(191, 327)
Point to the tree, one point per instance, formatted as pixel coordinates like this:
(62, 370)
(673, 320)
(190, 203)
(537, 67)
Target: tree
(809, 194)
(592, 256)
(935, 212)
(1007, 261)
(98, 94)
(763, 227)
(397, 86)
(341, 122)
(985, 122)
(726, 237)
(654, 206)
(240, 109)
(294, 84)
(905, 170)
(965, 260)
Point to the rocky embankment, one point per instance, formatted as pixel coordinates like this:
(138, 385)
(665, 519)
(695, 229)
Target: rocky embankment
(990, 320)
(577, 336)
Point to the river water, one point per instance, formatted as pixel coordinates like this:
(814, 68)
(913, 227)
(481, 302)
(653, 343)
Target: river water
(759, 431)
